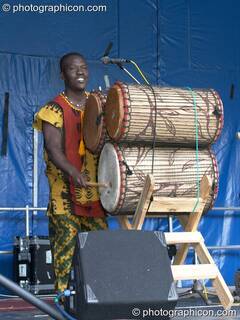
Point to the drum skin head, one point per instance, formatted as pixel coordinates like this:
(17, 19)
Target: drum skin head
(114, 112)
(92, 128)
(109, 172)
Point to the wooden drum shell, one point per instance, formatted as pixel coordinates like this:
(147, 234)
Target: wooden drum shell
(174, 173)
(130, 115)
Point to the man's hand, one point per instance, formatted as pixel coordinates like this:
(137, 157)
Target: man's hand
(79, 178)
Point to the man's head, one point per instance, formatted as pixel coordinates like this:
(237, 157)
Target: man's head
(74, 71)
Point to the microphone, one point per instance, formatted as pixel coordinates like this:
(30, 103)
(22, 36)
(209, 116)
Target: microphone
(108, 49)
(107, 60)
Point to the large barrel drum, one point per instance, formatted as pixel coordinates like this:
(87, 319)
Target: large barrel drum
(141, 113)
(124, 169)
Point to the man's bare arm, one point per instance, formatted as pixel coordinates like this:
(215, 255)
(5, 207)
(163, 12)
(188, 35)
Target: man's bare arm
(53, 146)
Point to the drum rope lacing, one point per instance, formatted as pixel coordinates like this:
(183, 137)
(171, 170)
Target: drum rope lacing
(155, 112)
(197, 146)
(128, 170)
(154, 127)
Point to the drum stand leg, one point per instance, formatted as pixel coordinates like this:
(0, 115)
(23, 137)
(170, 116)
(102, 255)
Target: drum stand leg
(207, 268)
(191, 224)
(142, 207)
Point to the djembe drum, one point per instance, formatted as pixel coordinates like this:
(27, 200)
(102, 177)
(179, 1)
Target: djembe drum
(124, 168)
(94, 128)
(138, 113)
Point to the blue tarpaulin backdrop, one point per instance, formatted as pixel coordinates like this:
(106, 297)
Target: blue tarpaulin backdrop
(178, 43)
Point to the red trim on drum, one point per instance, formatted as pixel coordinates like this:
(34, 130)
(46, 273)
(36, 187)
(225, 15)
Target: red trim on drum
(221, 118)
(103, 138)
(216, 177)
(126, 110)
(123, 179)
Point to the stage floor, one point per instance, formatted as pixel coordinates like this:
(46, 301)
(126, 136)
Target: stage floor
(188, 307)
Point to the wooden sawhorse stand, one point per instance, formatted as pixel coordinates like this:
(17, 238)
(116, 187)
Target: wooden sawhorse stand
(162, 206)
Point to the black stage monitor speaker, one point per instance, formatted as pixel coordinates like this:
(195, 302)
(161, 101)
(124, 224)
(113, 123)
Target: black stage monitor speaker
(121, 275)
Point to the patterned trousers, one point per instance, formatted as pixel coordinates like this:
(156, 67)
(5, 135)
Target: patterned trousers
(63, 232)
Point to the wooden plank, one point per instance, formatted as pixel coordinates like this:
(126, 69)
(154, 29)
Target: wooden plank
(191, 226)
(193, 220)
(173, 205)
(223, 291)
(124, 222)
(205, 187)
(203, 253)
(182, 205)
(183, 237)
(183, 219)
(219, 284)
(181, 254)
(143, 203)
(194, 272)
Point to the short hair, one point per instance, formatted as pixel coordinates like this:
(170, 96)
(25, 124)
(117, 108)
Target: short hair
(66, 56)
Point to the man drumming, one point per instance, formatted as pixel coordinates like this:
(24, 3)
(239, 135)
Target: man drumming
(73, 206)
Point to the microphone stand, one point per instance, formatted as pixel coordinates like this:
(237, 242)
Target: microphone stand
(127, 72)
(120, 65)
